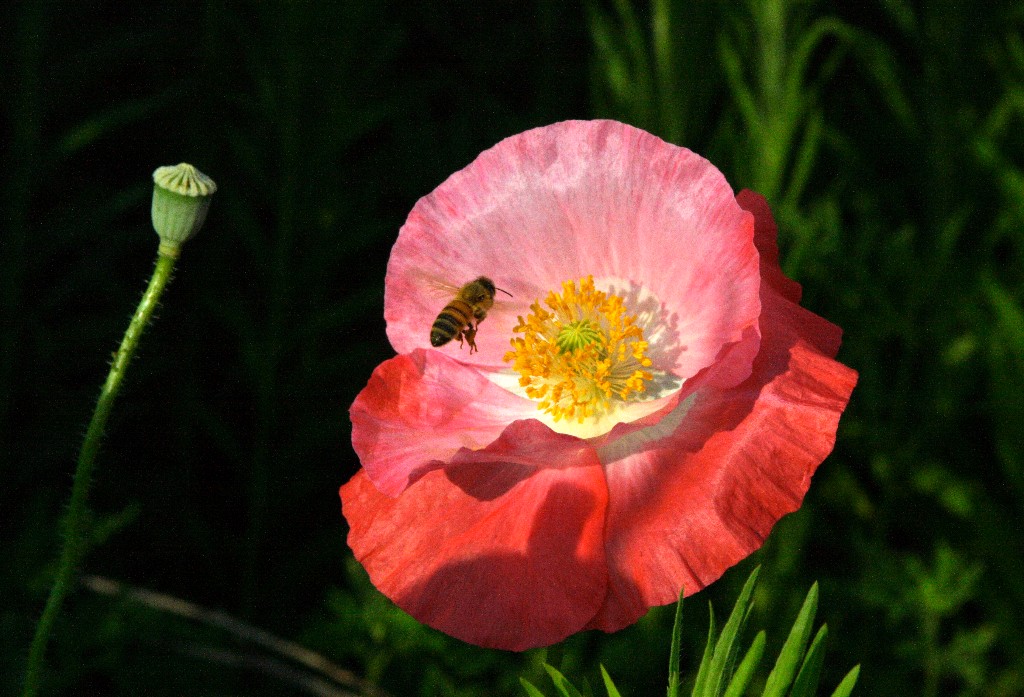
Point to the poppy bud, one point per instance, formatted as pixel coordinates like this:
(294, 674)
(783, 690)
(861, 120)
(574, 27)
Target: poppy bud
(181, 198)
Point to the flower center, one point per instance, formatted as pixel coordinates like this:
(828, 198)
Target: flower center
(581, 354)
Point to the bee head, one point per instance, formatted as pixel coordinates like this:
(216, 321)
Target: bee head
(488, 284)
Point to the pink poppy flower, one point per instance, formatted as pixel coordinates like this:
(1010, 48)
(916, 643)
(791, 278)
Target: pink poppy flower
(639, 413)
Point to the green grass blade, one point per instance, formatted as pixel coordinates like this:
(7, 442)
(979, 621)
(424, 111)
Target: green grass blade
(720, 661)
(806, 684)
(741, 94)
(662, 35)
(805, 158)
(705, 661)
(880, 61)
(1010, 314)
(530, 689)
(801, 57)
(845, 688)
(562, 683)
(673, 658)
(750, 662)
(608, 684)
(786, 666)
(635, 41)
(603, 40)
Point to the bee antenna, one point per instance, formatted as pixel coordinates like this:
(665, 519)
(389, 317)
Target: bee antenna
(504, 291)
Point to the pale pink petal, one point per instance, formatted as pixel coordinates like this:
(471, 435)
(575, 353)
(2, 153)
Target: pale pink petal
(572, 199)
(502, 556)
(418, 410)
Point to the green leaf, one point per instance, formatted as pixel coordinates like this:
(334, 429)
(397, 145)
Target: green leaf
(530, 689)
(724, 654)
(880, 61)
(845, 688)
(1010, 314)
(786, 666)
(562, 683)
(608, 684)
(705, 661)
(796, 672)
(662, 35)
(614, 69)
(902, 13)
(104, 123)
(673, 657)
(744, 98)
(102, 527)
(635, 42)
(806, 684)
(747, 666)
(805, 49)
(806, 156)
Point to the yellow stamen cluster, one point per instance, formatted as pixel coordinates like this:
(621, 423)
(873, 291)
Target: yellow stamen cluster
(581, 353)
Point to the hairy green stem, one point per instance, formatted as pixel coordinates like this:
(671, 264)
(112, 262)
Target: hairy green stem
(75, 518)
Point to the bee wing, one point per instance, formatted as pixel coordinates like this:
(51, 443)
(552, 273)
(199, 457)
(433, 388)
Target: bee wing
(440, 288)
(436, 287)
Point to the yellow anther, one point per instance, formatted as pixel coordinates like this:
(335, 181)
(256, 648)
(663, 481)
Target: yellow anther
(581, 354)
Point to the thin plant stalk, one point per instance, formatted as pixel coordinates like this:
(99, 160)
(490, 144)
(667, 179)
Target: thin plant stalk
(75, 518)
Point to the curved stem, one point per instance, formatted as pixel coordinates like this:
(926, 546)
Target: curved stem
(75, 518)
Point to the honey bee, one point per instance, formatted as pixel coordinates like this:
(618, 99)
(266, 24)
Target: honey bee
(461, 317)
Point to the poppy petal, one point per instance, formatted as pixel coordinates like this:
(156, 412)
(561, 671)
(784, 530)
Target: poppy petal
(686, 506)
(499, 555)
(574, 199)
(766, 234)
(418, 410)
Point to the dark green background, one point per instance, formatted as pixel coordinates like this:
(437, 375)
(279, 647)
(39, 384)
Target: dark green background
(886, 135)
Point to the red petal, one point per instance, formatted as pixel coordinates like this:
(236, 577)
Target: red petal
(500, 555)
(766, 234)
(815, 330)
(418, 410)
(685, 506)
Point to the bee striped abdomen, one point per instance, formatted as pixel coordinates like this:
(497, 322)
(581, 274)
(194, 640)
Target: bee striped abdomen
(455, 317)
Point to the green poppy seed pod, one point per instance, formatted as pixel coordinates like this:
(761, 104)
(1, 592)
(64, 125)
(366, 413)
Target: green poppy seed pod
(181, 198)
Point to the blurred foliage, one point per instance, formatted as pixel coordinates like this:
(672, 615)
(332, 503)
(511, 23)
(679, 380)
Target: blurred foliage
(887, 135)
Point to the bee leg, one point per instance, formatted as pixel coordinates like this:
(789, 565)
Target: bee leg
(470, 333)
